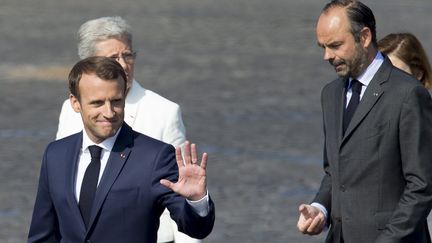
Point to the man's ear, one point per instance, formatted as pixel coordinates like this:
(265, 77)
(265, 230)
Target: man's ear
(365, 37)
(76, 105)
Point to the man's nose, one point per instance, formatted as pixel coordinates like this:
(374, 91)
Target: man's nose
(108, 111)
(328, 54)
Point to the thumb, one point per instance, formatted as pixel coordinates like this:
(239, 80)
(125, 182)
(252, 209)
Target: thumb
(303, 209)
(167, 183)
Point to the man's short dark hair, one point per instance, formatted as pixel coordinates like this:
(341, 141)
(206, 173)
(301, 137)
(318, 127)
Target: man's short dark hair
(360, 16)
(103, 67)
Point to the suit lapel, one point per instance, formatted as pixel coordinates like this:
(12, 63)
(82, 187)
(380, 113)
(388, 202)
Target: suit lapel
(340, 107)
(116, 161)
(72, 165)
(370, 97)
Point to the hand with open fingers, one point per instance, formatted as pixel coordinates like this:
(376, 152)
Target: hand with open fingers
(311, 220)
(192, 180)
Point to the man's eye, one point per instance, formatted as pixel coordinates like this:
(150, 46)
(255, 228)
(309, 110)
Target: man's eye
(334, 46)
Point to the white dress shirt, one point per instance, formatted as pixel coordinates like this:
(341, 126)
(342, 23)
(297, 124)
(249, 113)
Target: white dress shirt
(85, 158)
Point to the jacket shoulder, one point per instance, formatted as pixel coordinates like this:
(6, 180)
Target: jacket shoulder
(332, 87)
(141, 139)
(156, 99)
(64, 143)
(137, 93)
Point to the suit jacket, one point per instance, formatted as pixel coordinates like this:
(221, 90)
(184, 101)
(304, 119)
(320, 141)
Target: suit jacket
(378, 175)
(128, 201)
(145, 111)
(150, 114)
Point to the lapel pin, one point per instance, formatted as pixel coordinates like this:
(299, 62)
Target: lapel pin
(122, 155)
(375, 94)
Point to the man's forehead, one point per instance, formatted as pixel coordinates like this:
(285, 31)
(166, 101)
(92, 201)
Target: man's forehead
(335, 21)
(332, 27)
(334, 18)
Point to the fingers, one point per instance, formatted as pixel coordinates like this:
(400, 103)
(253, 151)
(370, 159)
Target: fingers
(187, 153)
(193, 154)
(179, 157)
(304, 219)
(316, 225)
(204, 161)
(303, 224)
(190, 155)
(304, 211)
(303, 208)
(311, 220)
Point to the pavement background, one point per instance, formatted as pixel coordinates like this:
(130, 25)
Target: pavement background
(247, 74)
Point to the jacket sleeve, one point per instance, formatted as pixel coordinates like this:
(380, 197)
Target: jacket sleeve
(323, 195)
(44, 225)
(415, 136)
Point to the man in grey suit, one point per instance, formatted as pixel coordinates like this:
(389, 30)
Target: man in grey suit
(377, 119)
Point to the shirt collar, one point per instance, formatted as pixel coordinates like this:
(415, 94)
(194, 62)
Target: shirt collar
(106, 144)
(366, 77)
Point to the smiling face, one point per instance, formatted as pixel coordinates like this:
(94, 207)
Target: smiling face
(117, 49)
(348, 57)
(101, 104)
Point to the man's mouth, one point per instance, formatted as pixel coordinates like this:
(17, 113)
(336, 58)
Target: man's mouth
(338, 65)
(106, 123)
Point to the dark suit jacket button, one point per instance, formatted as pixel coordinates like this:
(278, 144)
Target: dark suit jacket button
(342, 188)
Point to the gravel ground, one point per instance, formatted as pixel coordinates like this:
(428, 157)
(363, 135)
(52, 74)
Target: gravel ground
(247, 74)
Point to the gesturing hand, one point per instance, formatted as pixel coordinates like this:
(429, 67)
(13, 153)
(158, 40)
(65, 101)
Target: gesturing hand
(311, 220)
(192, 176)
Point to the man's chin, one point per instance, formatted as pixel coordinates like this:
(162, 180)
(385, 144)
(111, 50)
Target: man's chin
(341, 72)
(109, 131)
(105, 135)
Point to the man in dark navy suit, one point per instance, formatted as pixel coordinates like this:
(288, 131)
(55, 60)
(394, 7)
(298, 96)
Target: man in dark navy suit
(117, 193)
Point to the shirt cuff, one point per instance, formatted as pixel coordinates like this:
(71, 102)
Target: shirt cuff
(201, 207)
(321, 208)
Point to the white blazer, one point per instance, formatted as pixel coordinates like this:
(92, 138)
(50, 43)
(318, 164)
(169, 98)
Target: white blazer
(150, 114)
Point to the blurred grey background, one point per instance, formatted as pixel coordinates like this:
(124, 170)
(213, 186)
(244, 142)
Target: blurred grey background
(247, 74)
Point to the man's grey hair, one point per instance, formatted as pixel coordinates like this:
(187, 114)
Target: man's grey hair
(96, 30)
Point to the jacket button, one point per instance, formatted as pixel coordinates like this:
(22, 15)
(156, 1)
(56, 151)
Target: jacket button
(342, 188)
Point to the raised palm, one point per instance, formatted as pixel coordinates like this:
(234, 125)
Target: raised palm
(192, 181)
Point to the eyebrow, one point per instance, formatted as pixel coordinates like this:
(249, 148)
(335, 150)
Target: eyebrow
(333, 43)
(95, 101)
